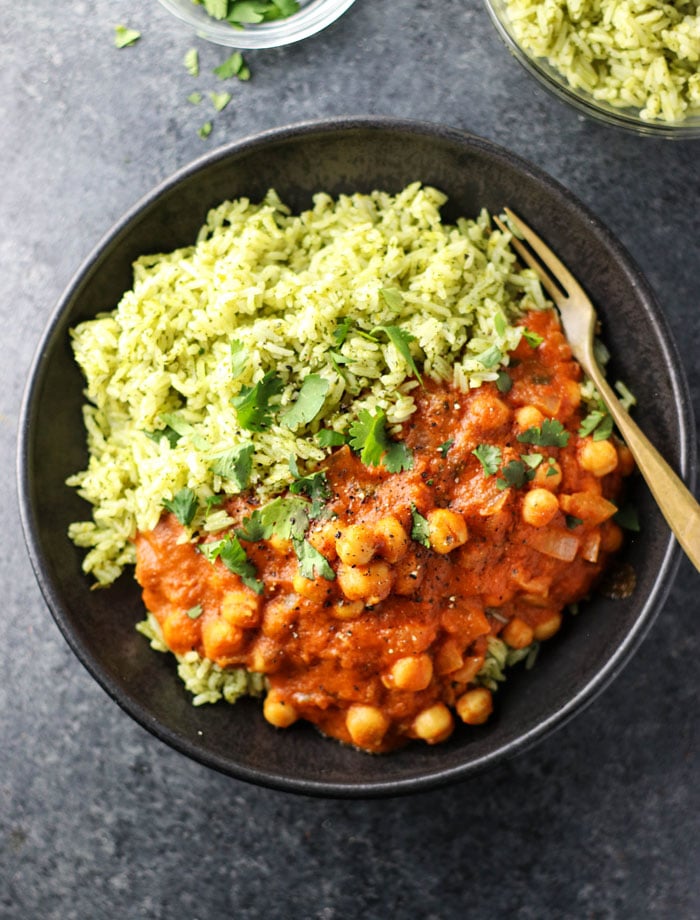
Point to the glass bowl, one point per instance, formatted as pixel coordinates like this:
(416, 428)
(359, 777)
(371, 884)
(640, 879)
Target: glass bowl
(555, 81)
(313, 16)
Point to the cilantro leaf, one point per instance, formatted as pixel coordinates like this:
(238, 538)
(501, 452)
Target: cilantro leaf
(326, 437)
(532, 460)
(287, 518)
(598, 422)
(194, 612)
(489, 455)
(239, 358)
(252, 404)
(340, 333)
(215, 8)
(368, 436)
(194, 98)
(315, 487)
(445, 447)
(184, 429)
(550, 434)
(308, 403)
(191, 62)
(172, 436)
(491, 357)
(220, 100)
(124, 36)
(420, 531)
(400, 339)
(628, 518)
(234, 557)
(392, 297)
(533, 339)
(205, 130)
(233, 66)
(235, 465)
(183, 505)
(311, 562)
(514, 474)
(504, 382)
(572, 521)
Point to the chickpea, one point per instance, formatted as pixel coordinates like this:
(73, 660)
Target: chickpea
(241, 608)
(548, 476)
(314, 589)
(220, 639)
(391, 539)
(597, 457)
(180, 632)
(611, 537)
(347, 610)
(488, 411)
(475, 706)
(356, 545)
(539, 507)
(469, 669)
(278, 712)
(414, 672)
(446, 529)
(528, 417)
(366, 725)
(548, 627)
(370, 583)
(517, 633)
(434, 724)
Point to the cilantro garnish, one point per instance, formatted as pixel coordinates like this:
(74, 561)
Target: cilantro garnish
(183, 505)
(445, 447)
(311, 562)
(504, 382)
(598, 422)
(391, 297)
(194, 612)
(249, 12)
(491, 357)
(489, 455)
(329, 438)
(220, 100)
(533, 339)
(308, 403)
(287, 518)
(315, 486)
(514, 474)
(233, 66)
(205, 130)
(194, 98)
(420, 530)
(169, 433)
(551, 434)
(532, 460)
(191, 62)
(239, 358)
(176, 423)
(124, 36)
(340, 333)
(628, 518)
(368, 436)
(572, 521)
(252, 404)
(236, 465)
(233, 556)
(401, 339)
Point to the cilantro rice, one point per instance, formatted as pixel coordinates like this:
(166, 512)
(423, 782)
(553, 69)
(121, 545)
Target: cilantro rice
(639, 54)
(360, 291)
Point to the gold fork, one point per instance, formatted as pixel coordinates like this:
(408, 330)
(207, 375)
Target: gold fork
(578, 316)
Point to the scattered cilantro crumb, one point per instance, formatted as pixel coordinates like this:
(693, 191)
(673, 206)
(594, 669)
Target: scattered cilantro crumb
(220, 100)
(124, 36)
(183, 505)
(194, 98)
(191, 62)
(233, 66)
(489, 456)
(205, 130)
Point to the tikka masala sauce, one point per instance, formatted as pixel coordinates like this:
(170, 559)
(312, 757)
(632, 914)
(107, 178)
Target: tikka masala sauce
(390, 649)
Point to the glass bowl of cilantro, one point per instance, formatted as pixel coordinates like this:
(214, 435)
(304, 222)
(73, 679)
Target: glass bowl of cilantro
(257, 23)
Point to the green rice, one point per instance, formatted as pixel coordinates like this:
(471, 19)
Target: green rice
(280, 287)
(639, 54)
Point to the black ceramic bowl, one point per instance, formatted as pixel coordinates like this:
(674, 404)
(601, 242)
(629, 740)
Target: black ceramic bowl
(345, 156)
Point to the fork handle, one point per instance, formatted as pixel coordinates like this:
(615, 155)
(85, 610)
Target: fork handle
(677, 504)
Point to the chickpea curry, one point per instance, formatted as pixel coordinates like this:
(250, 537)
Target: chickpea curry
(367, 596)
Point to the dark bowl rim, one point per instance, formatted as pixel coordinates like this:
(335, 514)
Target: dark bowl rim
(438, 777)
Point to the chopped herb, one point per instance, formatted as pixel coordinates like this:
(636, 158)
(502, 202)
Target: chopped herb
(233, 66)
(340, 333)
(213, 501)
(205, 130)
(369, 437)
(194, 98)
(220, 100)
(252, 404)
(445, 447)
(572, 521)
(287, 518)
(124, 36)
(532, 338)
(172, 436)
(420, 530)
(391, 297)
(235, 465)
(514, 474)
(329, 438)
(401, 339)
(234, 557)
(627, 398)
(532, 460)
(551, 434)
(499, 324)
(598, 422)
(315, 486)
(194, 612)
(311, 562)
(628, 518)
(491, 357)
(504, 382)
(183, 505)
(191, 62)
(239, 358)
(308, 403)
(552, 471)
(184, 429)
(489, 456)
(216, 8)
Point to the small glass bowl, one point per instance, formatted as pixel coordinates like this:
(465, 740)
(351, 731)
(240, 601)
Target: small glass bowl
(556, 82)
(313, 16)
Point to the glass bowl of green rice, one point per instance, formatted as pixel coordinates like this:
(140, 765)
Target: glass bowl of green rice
(631, 65)
(257, 24)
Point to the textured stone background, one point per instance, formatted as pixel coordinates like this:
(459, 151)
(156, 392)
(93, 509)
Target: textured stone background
(100, 820)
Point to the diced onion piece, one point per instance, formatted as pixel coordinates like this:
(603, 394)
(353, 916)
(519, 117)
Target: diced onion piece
(555, 543)
(589, 507)
(590, 548)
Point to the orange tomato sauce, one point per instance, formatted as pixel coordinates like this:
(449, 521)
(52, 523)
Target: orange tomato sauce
(389, 649)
